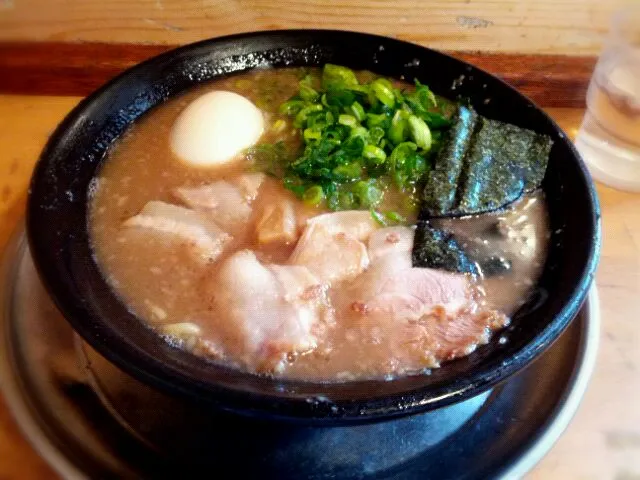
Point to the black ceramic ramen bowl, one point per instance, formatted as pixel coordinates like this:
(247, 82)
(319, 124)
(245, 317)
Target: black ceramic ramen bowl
(60, 245)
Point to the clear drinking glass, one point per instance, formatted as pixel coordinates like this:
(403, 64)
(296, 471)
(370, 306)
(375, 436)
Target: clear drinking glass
(609, 137)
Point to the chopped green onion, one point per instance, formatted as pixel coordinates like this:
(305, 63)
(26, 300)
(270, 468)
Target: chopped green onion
(361, 89)
(361, 132)
(426, 96)
(346, 200)
(358, 111)
(339, 99)
(377, 216)
(383, 91)
(307, 92)
(319, 120)
(401, 152)
(324, 100)
(376, 134)
(353, 146)
(376, 120)
(420, 132)
(367, 193)
(395, 217)
(398, 161)
(329, 118)
(399, 130)
(399, 96)
(348, 120)
(311, 135)
(384, 81)
(302, 115)
(371, 152)
(435, 120)
(313, 196)
(336, 76)
(291, 107)
(348, 171)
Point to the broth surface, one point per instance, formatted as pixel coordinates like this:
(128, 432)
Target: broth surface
(163, 285)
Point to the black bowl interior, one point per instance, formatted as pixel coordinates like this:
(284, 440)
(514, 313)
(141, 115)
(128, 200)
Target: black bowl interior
(58, 234)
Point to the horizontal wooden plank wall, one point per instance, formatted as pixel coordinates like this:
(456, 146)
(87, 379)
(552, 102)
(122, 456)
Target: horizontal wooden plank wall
(77, 69)
(575, 27)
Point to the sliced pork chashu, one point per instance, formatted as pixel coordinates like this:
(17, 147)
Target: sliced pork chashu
(227, 203)
(266, 312)
(173, 225)
(422, 316)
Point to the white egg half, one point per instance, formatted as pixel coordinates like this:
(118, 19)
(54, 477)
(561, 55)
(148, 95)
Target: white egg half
(214, 128)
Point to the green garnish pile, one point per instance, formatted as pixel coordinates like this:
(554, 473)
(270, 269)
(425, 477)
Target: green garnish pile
(358, 140)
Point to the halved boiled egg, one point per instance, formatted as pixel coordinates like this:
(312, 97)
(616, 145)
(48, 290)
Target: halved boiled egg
(215, 128)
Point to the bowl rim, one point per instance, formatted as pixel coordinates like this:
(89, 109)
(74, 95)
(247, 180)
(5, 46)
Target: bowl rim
(297, 407)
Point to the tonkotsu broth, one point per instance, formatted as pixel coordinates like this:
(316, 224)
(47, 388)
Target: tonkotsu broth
(163, 286)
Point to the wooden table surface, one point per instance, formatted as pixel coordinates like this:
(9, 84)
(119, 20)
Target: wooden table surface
(603, 440)
(574, 27)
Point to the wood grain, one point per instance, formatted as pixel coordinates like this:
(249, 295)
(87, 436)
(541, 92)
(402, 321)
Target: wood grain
(25, 125)
(603, 440)
(523, 26)
(56, 68)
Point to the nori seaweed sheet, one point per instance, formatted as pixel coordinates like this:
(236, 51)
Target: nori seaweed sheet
(440, 190)
(434, 248)
(492, 266)
(483, 165)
